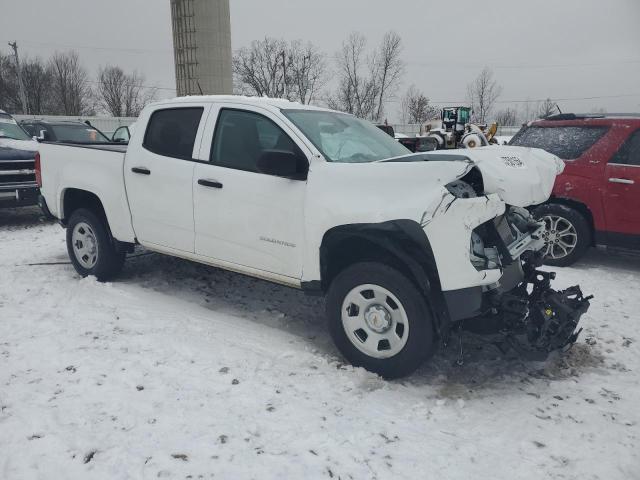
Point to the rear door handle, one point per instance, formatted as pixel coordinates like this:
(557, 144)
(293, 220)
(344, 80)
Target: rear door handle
(141, 170)
(625, 181)
(209, 183)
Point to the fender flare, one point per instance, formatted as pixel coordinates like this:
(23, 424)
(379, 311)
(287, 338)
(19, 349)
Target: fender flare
(406, 241)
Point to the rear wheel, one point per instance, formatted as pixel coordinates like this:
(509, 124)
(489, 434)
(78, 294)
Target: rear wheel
(379, 320)
(91, 249)
(568, 235)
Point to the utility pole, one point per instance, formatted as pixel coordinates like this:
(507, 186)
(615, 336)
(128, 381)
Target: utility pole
(23, 95)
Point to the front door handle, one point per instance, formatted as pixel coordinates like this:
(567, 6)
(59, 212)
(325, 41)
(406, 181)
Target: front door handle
(625, 181)
(141, 170)
(209, 183)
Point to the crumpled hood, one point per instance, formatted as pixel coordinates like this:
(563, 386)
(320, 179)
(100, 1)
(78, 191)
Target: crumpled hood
(521, 176)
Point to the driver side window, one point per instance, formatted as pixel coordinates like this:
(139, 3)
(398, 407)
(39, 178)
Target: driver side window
(241, 137)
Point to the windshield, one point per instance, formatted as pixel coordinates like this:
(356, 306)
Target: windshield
(568, 143)
(344, 138)
(463, 116)
(78, 134)
(10, 129)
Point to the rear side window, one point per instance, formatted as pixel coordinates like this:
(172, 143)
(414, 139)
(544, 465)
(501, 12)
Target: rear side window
(78, 134)
(172, 132)
(629, 153)
(567, 143)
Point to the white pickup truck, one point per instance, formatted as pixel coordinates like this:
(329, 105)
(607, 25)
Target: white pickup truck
(407, 248)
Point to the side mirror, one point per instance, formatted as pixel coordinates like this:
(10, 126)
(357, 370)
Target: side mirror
(42, 137)
(281, 163)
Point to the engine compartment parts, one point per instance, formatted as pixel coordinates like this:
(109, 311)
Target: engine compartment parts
(534, 319)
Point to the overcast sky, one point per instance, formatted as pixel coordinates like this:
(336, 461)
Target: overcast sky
(563, 49)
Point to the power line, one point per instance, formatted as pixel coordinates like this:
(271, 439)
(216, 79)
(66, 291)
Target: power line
(441, 64)
(572, 98)
(461, 102)
(115, 49)
(149, 87)
(418, 63)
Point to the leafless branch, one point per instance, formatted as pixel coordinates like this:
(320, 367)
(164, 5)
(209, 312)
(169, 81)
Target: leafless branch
(483, 93)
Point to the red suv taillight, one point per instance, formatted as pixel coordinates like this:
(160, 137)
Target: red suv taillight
(38, 170)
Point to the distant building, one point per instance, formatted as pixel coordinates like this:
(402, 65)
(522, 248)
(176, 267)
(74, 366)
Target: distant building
(202, 46)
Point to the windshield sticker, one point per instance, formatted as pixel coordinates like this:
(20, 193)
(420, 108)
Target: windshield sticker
(512, 161)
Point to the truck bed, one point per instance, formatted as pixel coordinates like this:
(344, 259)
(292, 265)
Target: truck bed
(96, 169)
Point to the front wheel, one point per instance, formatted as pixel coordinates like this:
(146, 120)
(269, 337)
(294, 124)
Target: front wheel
(379, 320)
(90, 247)
(568, 234)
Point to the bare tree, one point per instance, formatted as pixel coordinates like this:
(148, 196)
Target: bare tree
(416, 107)
(307, 72)
(70, 91)
(120, 94)
(9, 96)
(37, 81)
(483, 93)
(358, 89)
(277, 69)
(390, 68)
(367, 81)
(260, 67)
(546, 108)
(506, 117)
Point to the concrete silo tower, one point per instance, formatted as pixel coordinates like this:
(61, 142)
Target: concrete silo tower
(202, 46)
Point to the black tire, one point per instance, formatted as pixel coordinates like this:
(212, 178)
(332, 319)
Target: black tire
(420, 343)
(109, 260)
(580, 225)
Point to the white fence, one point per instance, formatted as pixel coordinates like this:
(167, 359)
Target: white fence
(412, 129)
(108, 125)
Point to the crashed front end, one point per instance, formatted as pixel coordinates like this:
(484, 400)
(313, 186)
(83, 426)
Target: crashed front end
(488, 252)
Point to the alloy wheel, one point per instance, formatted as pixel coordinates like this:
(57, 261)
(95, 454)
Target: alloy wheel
(560, 237)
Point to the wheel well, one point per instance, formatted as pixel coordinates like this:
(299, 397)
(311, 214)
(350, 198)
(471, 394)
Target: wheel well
(339, 254)
(75, 198)
(580, 207)
(400, 244)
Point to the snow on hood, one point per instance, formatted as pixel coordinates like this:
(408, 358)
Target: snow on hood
(17, 149)
(520, 176)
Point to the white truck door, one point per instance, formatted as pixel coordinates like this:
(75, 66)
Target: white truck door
(247, 218)
(158, 174)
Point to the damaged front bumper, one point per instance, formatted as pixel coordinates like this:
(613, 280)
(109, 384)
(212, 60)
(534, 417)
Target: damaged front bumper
(488, 255)
(535, 319)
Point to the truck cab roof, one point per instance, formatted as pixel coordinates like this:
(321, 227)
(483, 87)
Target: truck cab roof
(279, 103)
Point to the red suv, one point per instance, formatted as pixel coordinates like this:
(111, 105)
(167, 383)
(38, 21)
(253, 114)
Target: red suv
(596, 200)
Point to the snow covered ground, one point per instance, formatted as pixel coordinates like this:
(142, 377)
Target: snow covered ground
(184, 371)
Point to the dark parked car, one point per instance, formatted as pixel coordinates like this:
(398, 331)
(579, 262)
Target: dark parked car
(64, 131)
(596, 200)
(18, 151)
(415, 144)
